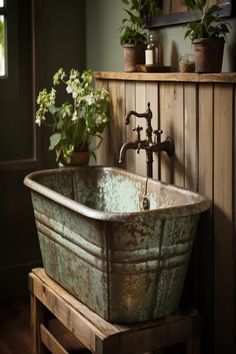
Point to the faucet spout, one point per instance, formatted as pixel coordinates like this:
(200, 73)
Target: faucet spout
(125, 147)
(147, 115)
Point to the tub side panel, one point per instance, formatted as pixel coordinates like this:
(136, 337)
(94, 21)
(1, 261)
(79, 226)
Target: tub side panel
(148, 263)
(74, 252)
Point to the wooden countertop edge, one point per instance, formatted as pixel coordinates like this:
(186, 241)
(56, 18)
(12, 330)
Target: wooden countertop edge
(173, 76)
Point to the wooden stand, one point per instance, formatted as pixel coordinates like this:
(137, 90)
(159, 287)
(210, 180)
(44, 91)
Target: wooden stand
(98, 335)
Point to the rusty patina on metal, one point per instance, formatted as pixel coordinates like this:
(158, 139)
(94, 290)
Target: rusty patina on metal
(126, 264)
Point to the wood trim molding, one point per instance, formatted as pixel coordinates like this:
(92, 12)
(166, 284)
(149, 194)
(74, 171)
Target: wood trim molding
(14, 165)
(174, 77)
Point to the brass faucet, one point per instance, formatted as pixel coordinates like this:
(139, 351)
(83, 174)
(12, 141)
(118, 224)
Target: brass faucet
(147, 144)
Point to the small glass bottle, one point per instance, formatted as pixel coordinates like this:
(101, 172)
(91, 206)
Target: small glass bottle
(155, 43)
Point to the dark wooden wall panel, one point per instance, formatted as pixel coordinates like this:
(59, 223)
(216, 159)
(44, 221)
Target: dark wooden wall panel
(190, 137)
(200, 117)
(172, 123)
(204, 241)
(152, 89)
(178, 6)
(140, 106)
(223, 227)
(130, 135)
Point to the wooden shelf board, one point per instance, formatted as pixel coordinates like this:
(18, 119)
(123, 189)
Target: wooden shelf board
(226, 77)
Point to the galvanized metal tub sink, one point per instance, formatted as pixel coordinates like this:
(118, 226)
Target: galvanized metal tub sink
(126, 264)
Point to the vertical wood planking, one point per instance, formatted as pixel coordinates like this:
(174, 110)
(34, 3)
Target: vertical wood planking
(130, 95)
(204, 240)
(117, 112)
(212, 2)
(234, 199)
(140, 107)
(166, 7)
(223, 230)
(101, 153)
(172, 123)
(152, 97)
(190, 137)
(178, 6)
(166, 118)
(215, 2)
(190, 167)
(200, 118)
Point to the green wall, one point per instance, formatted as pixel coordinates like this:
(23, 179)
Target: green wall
(105, 53)
(103, 21)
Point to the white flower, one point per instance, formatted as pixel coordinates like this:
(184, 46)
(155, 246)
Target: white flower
(74, 94)
(39, 119)
(89, 99)
(69, 89)
(74, 116)
(52, 97)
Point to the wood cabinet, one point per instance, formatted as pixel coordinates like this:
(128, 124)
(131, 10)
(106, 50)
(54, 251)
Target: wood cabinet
(198, 111)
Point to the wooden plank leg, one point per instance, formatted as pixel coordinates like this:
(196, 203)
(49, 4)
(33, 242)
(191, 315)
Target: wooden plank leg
(193, 346)
(51, 342)
(38, 317)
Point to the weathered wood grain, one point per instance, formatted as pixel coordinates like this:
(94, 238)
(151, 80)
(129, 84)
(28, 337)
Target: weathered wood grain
(51, 342)
(178, 77)
(199, 113)
(102, 337)
(205, 240)
(141, 107)
(178, 6)
(223, 229)
(166, 7)
(190, 137)
(116, 130)
(172, 124)
(152, 97)
(130, 99)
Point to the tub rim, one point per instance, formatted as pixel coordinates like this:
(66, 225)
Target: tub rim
(163, 213)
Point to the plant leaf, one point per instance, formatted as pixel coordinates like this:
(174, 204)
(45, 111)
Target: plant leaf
(54, 140)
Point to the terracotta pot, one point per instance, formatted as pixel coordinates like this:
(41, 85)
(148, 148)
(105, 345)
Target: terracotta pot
(79, 158)
(133, 54)
(208, 54)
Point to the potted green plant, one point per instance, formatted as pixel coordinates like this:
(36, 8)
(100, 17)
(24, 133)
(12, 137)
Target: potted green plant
(76, 121)
(208, 36)
(132, 32)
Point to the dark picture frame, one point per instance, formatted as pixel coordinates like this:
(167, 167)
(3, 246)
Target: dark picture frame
(182, 17)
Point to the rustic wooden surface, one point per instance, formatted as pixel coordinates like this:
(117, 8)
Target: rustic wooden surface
(179, 6)
(175, 76)
(223, 217)
(175, 12)
(102, 337)
(50, 341)
(200, 116)
(205, 237)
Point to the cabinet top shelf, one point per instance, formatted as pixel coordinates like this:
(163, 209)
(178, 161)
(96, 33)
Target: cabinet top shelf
(175, 76)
